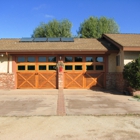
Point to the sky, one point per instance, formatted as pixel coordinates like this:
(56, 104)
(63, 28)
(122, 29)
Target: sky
(19, 18)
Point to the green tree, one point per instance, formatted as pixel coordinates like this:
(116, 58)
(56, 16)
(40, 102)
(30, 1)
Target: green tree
(88, 28)
(94, 27)
(53, 28)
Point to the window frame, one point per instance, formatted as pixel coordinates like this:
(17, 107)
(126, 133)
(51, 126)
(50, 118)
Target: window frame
(118, 62)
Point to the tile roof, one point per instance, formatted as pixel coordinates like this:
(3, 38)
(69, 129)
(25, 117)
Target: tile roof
(13, 45)
(125, 40)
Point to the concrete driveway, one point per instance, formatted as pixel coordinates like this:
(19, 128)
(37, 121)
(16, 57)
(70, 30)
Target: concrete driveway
(66, 102)
(88, 102)
(28, 102)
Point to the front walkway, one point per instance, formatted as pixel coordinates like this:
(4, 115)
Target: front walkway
(65, 102)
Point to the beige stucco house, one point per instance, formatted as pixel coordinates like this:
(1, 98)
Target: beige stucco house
(31, 63)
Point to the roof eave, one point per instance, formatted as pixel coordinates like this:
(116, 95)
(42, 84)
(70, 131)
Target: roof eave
(114, 42)
(131, 48)
(55, 52)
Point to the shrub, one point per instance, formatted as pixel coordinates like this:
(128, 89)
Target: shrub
(131, 73)
(137, 96)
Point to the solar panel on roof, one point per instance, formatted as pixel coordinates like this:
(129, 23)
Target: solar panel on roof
(53, 39)
(26, 39)
(43, 39)
(63, 39)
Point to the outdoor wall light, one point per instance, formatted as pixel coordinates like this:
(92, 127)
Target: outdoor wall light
(1, 55)
(60, 57)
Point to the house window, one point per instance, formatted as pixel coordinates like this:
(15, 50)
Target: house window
(89, 59)
(99, 59)
(52, 59)
(42, 59)
(68, 59)
(78, 59)
(21, 59)
(31, 59)
(118, 60)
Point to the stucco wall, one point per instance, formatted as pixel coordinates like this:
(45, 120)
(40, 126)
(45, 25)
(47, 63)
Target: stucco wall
(130, 56)
(112, 67)
(121, 66)
(112, 62)
(4, 64)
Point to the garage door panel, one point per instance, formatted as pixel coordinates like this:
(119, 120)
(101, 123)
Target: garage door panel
(47, 85)
(73, 84)
(73, 80)
(100, 80)
(90, 80)
(79, 80)
(94, 80)
(27, 85)
(26, 80)
(47, 80)
(73, 75)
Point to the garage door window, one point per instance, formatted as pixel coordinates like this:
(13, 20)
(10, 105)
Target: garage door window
(78, 67)
(21, 68)
(89, 67)
(42, 67)
(52, 67)
(99, 67)
(31, 67)
(68, 67)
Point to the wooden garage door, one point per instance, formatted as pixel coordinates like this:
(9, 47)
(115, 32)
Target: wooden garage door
(36, 72)
(84, 72)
